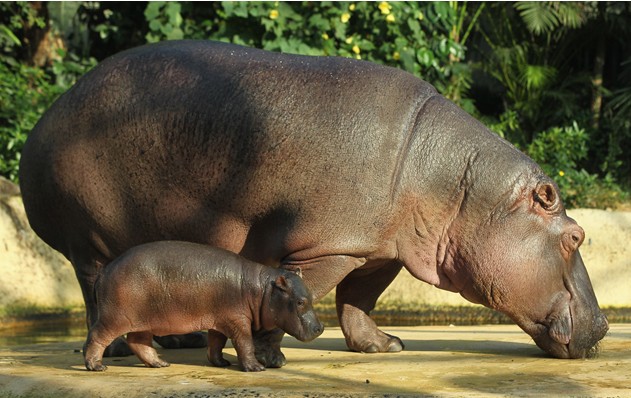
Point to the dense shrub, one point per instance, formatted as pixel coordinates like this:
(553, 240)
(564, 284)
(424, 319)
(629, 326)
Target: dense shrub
(560, 151)
(25, 93)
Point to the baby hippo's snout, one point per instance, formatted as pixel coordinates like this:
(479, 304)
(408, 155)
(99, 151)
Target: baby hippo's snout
(311, 325)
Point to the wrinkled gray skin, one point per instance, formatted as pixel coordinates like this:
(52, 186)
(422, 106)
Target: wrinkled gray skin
(173, 287)
(342, 168)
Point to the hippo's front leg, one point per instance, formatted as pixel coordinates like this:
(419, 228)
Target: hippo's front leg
(241, 336)
(355, 297)
(267, 347)
(358, 289)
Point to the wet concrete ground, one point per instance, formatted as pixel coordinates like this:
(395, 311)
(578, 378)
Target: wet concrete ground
(471, 361)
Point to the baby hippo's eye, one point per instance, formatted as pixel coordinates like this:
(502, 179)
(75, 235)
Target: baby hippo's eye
(300, 303)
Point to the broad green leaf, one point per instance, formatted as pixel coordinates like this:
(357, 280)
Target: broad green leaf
(538, 16)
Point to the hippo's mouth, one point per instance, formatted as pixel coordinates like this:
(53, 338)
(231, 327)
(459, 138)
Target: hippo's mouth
(560, 337)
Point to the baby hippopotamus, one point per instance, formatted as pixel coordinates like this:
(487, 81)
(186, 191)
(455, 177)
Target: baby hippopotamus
(174, 287)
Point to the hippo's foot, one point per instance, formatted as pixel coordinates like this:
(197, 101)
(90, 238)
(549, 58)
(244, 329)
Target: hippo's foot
(191, 340)
(96, 366)
(271, 358)
(252, 366)
(158, 363)
(355, 297)
(118, 348)
(388, 344)
(267, 348)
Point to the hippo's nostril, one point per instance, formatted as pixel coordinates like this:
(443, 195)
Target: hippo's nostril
(318, 329)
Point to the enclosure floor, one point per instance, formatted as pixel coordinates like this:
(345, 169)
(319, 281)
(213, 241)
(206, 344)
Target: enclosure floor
(471, 361)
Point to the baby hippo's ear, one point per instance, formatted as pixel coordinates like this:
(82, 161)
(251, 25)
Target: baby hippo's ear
(295, 269)
(281, 283)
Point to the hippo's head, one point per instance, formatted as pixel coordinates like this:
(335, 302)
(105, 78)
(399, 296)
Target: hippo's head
(524, 261)
(291, 307)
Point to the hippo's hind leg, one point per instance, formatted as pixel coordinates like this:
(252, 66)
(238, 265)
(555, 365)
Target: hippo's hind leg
(356, 296)
(141, 344)
(216, 343)
(95, 346)
(87, 263)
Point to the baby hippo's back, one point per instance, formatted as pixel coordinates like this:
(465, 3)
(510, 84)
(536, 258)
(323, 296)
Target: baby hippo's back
(175, 287)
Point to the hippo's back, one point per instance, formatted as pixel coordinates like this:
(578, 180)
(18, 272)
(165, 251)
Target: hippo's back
(218, 144)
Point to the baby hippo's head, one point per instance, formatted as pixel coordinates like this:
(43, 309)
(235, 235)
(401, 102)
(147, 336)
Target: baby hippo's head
(292, 307)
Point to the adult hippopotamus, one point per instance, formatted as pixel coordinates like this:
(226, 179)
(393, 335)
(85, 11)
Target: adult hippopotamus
(344, 169)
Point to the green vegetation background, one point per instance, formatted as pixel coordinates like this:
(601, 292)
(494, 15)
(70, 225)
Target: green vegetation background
(554, 78)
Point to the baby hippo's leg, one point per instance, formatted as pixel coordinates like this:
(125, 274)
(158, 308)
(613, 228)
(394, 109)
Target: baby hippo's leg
(140, 344)
(216, 343)
(95, 346)
(241, 335)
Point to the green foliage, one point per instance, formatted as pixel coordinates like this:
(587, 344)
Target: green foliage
(559, 152)
(165, 21)
(544, 17)
(27, 91)
(426, 39)
(25, 94)
(537, 65)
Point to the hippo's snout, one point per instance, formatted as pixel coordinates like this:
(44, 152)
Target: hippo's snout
(583, 343)
(312, 329)
(317, 330)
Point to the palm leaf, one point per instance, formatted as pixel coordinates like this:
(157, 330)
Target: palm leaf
(571, 14)
(540, 17)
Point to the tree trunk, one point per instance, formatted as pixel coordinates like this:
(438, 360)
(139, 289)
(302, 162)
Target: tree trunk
(597, 76)
(40, 43)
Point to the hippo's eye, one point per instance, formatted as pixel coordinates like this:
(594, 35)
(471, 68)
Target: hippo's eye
(301, 303)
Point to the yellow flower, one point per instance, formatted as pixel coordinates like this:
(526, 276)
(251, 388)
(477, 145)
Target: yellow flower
(352, 7)
(358, 56)
(390, 18)
(325, 36)
(349, 40)
(345, 17)
(273, 14)
(420, 16)
(561, 173)
(396, 56)
(356, 49)
(385, 7)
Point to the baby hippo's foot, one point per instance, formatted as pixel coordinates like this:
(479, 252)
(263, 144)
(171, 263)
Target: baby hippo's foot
(96, 366)
(271, 358)
(252, 365)
(157, 363)
(267, 344)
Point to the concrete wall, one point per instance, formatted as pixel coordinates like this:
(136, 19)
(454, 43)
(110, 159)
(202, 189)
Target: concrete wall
(31, 273)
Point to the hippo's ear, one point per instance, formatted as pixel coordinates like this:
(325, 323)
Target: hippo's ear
(546, 197)
(293, 268)
(297, 271)
(281, 283)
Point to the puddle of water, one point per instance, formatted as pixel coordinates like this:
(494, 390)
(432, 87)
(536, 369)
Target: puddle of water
(44, 331)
